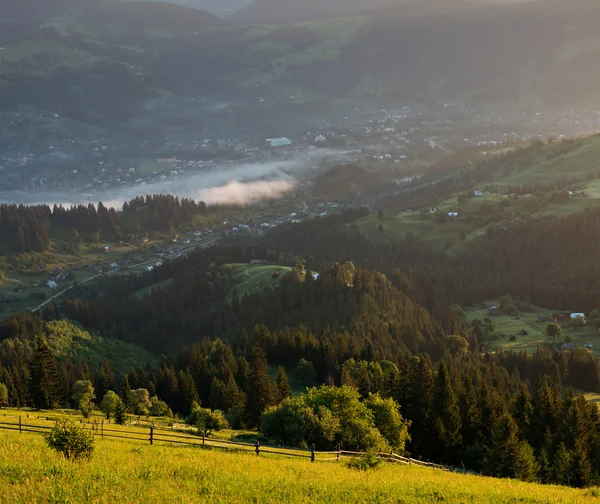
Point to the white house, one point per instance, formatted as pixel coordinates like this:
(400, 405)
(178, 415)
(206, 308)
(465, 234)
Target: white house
(51, 284)
(452, 214)
(575, 316)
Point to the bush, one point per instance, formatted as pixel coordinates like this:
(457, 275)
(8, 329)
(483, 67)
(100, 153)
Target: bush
(365, 462)
(70, 440)
(207, 420)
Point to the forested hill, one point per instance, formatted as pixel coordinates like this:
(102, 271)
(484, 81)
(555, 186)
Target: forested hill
(358, 309)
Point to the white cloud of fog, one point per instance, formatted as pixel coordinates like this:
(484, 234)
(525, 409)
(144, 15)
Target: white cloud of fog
(229, 183)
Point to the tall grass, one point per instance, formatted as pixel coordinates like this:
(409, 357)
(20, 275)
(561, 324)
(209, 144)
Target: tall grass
(123, 471)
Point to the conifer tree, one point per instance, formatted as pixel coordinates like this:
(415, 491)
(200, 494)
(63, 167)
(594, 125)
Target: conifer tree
(445, 416)
(259, 389)
(561, 465)
(120, 412)
(44, 381)
(522, 411)
(187, 391)
(282, 386)
(508, 456)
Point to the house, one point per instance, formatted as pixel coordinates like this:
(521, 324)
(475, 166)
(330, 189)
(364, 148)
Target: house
(589, 346)
(493, 312)
(512, 337)
(255, 262)
(149, 269)
(478, 193)
(575, 316)
(567, 346)
(114, 266)
(482, 306)
(561, 318)
(544, 318)
(523, 332)
(452, 214)
(51, 284)
(107, 249)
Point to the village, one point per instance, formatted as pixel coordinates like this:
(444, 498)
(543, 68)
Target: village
(64, 158)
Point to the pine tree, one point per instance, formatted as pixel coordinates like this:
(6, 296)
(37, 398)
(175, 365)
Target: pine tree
(120, 413)
(581, 468)
(561, 464)
(508, 456)
(282, 386)
(187, 391)
(259, 389)
(470, 413)
(44, 381)
(445, 416)
(522, 411)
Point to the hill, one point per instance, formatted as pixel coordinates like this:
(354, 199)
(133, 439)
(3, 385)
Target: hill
(135, 53)
(30, 472)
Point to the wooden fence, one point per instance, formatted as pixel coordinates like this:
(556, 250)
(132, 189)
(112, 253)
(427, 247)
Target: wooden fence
(155, 435)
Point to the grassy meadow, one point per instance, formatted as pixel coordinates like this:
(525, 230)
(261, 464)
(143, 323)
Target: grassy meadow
(536, 331)
(249, 279)
(128, 471)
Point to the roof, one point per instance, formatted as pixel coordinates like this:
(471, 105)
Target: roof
(577, 315)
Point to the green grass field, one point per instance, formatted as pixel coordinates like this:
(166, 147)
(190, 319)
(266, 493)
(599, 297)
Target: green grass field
(127, 471)
(432, 234)
(575, 164)
(536, 337)
(249, 279)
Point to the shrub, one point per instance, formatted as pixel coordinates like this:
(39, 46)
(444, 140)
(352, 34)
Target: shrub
(365, 462)
(207, 420)
(70, 440)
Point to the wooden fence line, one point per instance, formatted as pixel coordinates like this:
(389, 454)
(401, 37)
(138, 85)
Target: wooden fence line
(164, 436)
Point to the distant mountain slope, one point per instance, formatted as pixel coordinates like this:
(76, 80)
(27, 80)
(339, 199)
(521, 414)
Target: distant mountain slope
(108, 59)
(293, 11)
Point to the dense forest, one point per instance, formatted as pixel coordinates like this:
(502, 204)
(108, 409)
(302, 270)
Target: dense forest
(30, 228)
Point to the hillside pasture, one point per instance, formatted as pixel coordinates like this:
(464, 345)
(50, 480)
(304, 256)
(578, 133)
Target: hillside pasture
(132, 471)
(536, 331)
(249, 279)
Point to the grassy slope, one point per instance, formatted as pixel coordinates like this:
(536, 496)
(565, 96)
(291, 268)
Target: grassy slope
(248, 279)
(578, 164)
(536, 338)
(124, 471)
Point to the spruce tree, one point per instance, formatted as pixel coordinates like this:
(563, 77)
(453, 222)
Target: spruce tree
(445, 416)
(259, 389)
(44, 381)
(522, 411)
(120, 412)
(282, 386)
(508, 456)
(561, 464)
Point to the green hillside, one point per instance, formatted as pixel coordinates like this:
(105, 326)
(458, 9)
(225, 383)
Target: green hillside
(249, 279)
(125, 471)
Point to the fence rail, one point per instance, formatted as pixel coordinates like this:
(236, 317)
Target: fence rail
(155, 435)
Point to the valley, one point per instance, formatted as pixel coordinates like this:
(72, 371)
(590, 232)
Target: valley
(361, 233)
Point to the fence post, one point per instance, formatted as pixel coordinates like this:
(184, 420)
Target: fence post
(102, 428)
(203, 435)
(257, 445)
(20, 426)
(339, 449)
(151, 434)
(312, 452)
